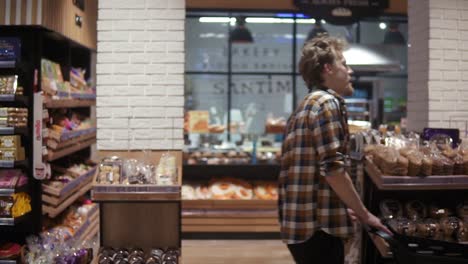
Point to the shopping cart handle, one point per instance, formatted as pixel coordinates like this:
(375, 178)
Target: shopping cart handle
(387, 237)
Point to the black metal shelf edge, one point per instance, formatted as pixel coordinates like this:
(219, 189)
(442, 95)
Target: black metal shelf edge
(9, 221)
(9, 191)
(8, 261)
(247, 170)
(7, 64)
(11, 98)
(13, 164)
(13, 130)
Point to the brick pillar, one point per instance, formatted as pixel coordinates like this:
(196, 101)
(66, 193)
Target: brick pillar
(140, 74)
(437, 64)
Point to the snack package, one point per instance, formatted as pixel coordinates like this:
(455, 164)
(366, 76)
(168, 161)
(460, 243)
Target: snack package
(166, 172)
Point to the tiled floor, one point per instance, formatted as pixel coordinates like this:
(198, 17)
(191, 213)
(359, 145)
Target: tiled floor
(235, 252)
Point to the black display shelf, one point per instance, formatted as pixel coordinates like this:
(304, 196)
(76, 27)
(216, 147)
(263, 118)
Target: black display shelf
(8, 261)
(13, 164)
(11, 99)
(13, 130)
(248, 171)
(10, 221)
(9, 191)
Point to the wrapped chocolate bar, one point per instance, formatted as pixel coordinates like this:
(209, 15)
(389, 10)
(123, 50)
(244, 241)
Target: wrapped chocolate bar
(12, 153)
(8, 84)
(13, 141)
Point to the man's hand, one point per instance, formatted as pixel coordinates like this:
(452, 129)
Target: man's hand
(352, 215)
(375, 222)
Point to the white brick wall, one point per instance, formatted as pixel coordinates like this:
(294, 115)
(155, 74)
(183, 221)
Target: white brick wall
(438, 98)
(140, 74)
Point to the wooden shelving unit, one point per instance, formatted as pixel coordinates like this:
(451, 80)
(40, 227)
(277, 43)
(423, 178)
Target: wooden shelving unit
(68, 103)
(53, 155)
(446, 188)
(395, 183)
(230, 216)
(54, 211)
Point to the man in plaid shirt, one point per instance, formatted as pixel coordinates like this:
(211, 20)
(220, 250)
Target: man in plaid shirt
(315, 191)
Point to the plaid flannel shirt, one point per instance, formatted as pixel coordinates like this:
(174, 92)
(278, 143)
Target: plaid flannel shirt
(315, 145)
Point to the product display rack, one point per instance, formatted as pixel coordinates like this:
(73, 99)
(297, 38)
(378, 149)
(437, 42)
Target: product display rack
(16, 230)
(145, 216)
(230, 218)
(447, 190)
(38, 43)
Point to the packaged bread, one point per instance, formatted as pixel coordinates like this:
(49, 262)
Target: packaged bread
(390, 161)
(458, 165)
(426, 166)
(415, 159)
(465, 164)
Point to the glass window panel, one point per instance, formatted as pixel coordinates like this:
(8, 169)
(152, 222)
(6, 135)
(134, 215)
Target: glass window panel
(271, 49)
(304, 26)
(373, 32)
(207, 92)
(255, 98)
(206, 45)
(395, 98)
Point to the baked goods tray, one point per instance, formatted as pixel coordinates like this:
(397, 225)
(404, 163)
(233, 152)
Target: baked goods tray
(84, 133)
(230, 204)
(435, 182)
(143, 192)
(71, 186)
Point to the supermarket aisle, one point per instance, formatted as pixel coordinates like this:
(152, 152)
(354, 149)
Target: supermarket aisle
(235, 252)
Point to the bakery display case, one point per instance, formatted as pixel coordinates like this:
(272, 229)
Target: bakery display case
(230, 192)
(140, 206)
(419, 188)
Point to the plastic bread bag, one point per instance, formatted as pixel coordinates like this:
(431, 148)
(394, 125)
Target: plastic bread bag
(401, 166)
(415, 160)
(166, 171)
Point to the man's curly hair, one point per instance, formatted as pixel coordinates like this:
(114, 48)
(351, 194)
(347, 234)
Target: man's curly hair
(315, 54)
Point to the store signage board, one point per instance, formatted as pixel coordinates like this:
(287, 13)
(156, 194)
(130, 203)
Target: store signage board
(342, 12)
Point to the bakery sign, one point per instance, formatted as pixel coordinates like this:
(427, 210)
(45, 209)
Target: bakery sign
(341, 12)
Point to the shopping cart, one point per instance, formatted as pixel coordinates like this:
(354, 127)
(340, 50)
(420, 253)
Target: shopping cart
(417, 250)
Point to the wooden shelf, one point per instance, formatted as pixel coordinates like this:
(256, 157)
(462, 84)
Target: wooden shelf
(61, 144)
(68, 190)
(229, 204)
(53, 155)
(442, 182)
(68, 103)
(254, 171)
(143, 192)
(207, 216)
(54, 211)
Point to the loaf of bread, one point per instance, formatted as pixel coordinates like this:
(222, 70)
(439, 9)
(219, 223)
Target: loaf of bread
(415, 159)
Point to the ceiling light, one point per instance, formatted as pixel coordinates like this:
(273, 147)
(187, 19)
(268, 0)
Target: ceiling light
(240, 33)
(382, 25)
(214, 19)
(393, 35)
